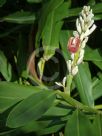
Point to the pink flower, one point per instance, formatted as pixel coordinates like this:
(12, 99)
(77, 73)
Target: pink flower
(73, 44)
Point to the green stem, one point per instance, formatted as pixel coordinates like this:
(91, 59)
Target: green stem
(77, 104)
(69, 82)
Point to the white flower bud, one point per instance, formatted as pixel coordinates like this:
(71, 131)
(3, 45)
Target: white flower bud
(59, 84)
(78, 26)
(81, 56)
(91, 23)
(72, 56)
(82, 36)
(80, 60)
(83, 15)
(84, 42)
(64, 81)
(75, 70)
(75, 33)
(89, 31)
(82, 23)
(82, 52)
(69, 64)
(88, 8)
(90, 16)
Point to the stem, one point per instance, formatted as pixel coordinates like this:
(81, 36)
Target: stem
(69, 82)
(77, 104)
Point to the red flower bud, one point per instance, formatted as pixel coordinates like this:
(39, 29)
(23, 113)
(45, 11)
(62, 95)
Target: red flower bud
(73, 44)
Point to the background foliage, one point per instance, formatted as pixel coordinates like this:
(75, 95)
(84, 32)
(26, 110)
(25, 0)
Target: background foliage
(30, 106)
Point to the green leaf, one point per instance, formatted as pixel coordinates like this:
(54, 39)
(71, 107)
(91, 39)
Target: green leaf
(20, 17)
(91, 2)
(34, 1)
(51, 129)
(98, 125)
(92, 55)
(30, 109)
(97, 8)
(7, 133)
(11, 93)
(84, 85)
(32, 126)
(2, 2)
(98, 17)
(50, 25)
(57, 111)
(35, 126)
(62, 11)
(51, 36)
(5, 67)
(97, 90)
(46, 10)
(98, 64)
(64, 37)
(51, 32)
(79, 125)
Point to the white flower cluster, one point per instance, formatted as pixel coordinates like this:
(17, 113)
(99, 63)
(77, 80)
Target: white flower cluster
(85, 26)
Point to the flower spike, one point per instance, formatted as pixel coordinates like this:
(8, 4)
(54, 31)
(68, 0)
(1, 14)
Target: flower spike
(85, 26)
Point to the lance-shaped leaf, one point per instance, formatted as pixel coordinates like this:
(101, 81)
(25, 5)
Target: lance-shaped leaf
(46, 10)
(50, 25)
(84, 85)
(5, 67)
(19, 17)
(94, 56)
(97, 90)
(51, 36)
(30, 109)
(11, 93)
(79, 125)
(98, 125)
